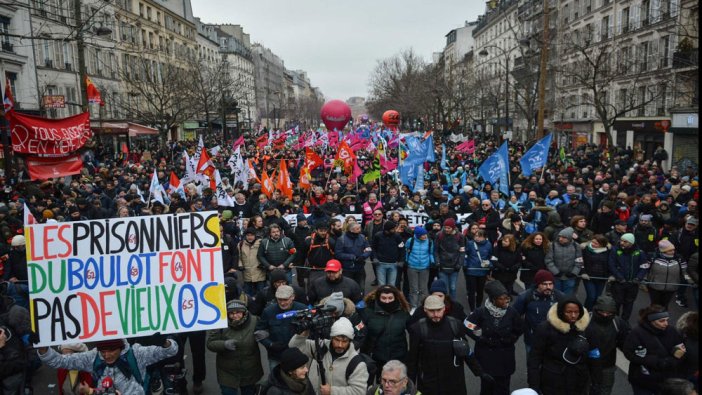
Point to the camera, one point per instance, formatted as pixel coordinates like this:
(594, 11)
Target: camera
(316, 320)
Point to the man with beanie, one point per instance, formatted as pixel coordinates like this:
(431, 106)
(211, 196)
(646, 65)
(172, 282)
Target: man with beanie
(334, 281)
(290, 376)
(495, 327)
(389, 249)
(266, 296)
(352, 249)
(606, 332)
(449, 251)
(533, 304)
(645, 234)
(238, 357)
(301, 232)
(337, 355)
(628, 266)
(564, 259)
(344, 307)
(438, 350)
(419, 255)
(273, 333)
(561, 356)
(317, 251)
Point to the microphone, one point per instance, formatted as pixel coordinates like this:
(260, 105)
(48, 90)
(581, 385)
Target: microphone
(108, 385)
(287, 314)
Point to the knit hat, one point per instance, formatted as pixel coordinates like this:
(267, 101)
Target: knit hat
(629, 238)
(277, 275)
(109, 344)
(433, 302)
(524, 391)
(438, 286)
(249, 230)
(291, 359)
(665, 246)
(646, 217)
(336, 300)
(495, 289)
(18, 241)
(605, 303)
(284, 292)
(75, 347)
(227, 215)
(389, 225)
(450, 222)
(542, 276)
(567, 233)
(234, 305)
(301, 217)
(342, 327)
(419, 231)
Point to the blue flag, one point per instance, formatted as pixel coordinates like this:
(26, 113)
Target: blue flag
(537, 155)
(429, 147)
(419, 183)
(408, 174)
(494, 169)
(444, 166)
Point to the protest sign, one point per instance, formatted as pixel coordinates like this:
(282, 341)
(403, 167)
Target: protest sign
(125, 277)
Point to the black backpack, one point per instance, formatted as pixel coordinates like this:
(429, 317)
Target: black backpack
(370, 365)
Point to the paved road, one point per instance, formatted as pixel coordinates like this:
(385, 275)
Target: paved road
(45, 379)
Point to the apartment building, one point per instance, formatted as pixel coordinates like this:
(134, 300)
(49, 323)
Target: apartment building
(270, 86)
(16, 55)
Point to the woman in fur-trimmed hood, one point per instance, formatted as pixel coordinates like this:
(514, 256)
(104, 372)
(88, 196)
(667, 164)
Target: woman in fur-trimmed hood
(559, 361)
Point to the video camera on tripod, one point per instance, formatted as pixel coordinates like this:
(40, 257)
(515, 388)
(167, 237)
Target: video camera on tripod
(315, 319)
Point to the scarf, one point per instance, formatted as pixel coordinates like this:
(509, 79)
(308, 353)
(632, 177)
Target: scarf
(296, 386)
(494, 310)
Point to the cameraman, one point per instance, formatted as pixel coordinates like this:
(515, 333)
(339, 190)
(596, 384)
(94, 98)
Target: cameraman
(344, 307)
(273, 333)
(334, 362)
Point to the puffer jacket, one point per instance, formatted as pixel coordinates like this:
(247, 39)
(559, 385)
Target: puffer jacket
(650, 353)
(276, 252)
(561, 260)
(472, 264)
(421, 255)
(494, 347)
(387, 338)
(144, 355)
(248, 260)
(595, 261)
(242, 366)
(334, 368)
(665, 272)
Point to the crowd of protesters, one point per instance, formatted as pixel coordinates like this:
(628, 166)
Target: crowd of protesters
(614, 230)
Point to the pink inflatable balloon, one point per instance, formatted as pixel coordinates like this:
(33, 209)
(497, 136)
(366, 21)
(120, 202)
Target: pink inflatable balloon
(335, 114)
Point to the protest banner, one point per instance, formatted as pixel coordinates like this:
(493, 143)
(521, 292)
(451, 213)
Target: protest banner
(125, 277)
(413, 218)
(36, 135)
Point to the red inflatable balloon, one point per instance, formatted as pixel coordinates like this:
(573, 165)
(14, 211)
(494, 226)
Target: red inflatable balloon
(391, 118)
(335, 114)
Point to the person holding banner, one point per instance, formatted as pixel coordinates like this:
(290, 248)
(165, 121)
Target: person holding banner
(115, 359)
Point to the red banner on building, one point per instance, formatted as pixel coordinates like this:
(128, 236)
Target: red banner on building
(45, 168)
(37, 135)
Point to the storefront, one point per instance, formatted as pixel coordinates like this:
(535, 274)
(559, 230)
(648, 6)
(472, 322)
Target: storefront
(685, 131)
(644, 136)
(574, 134)
(115, 135)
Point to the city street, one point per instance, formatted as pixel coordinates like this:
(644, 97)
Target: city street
(45, 379)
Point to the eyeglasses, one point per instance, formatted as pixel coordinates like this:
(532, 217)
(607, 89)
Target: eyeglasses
(392, 382)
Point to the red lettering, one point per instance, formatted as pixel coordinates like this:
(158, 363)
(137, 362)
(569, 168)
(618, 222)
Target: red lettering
(211, 252)
(86, 302)
(64, 240)
(194, 265)
(104, 313)
(187, 304)
(32, 252)
(178, 277)
(48, 240)
(162, 263)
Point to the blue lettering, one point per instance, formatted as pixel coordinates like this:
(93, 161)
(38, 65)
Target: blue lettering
(193, 293)
(208, 304)
(74, 274)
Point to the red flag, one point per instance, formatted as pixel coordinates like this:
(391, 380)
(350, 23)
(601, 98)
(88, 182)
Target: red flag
(345, 157)
(262, 141)
(205, 166)
(284, 185)
(8, 100)
(238, 142)
(305, 179)
(266, 183)
(312, 160)
(93, 92)
(44, 168)
(173, 182)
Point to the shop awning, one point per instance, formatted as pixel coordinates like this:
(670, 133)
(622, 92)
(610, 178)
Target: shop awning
(130, 128)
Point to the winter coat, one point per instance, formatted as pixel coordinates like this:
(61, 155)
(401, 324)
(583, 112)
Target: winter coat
(491, 220)
(279, 331)
(447, 254)
(266, 297)
(507, 264)
(607, 336)
(686, 242)
(603, 222)
(144, 355)
(472, 265)
(650, 353)
(334, 368)
(386, 338)
(561, 260)
(410, 389)
(13, 358)
(350, 251)
(320, 288)
(494, 347)
(242, 366)
(627, 265)
(421, 255)
(318, 251)
(452, 309)
(388, 247)
(534, 260)
(693, 268)
(535, 307)
(596, 262)
(547, 368)
(553, 225)
(645, 238)
(277, 385)
(276, 252)
(665, 272)
(248, 260)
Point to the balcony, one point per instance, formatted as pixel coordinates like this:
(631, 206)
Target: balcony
(686, 59)
(7, 47)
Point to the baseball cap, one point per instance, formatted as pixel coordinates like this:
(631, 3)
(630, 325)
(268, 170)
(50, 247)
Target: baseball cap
(333, 266)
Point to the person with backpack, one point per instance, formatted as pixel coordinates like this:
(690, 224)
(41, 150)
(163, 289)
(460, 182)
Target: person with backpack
(666, 272)
(317, 251)
(628, 267)
(449, 252)
(438, 351)
(254, 276)
(277, 252)
(238, 356)
(477, 267)
(341, 365)
(125, 365)
(389, 249)
(419, 255)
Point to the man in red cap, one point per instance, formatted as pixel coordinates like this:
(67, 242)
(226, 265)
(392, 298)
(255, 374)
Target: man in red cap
(449, 250)
(334, 281)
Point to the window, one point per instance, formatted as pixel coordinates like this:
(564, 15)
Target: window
(643, 56)
(664, 46)
(141, 10)
(68, 56)
(660, 99)
(625, 20)
(646, 12)
(640, 101)
(605, 30)
(148, 13)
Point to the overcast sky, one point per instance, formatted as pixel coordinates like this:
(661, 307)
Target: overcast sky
(337, 42)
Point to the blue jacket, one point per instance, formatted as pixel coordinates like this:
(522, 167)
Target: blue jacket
(419, 254)
(350, 252)
(280, 331)
(628, 265)
(534, 307)
(471, 265)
